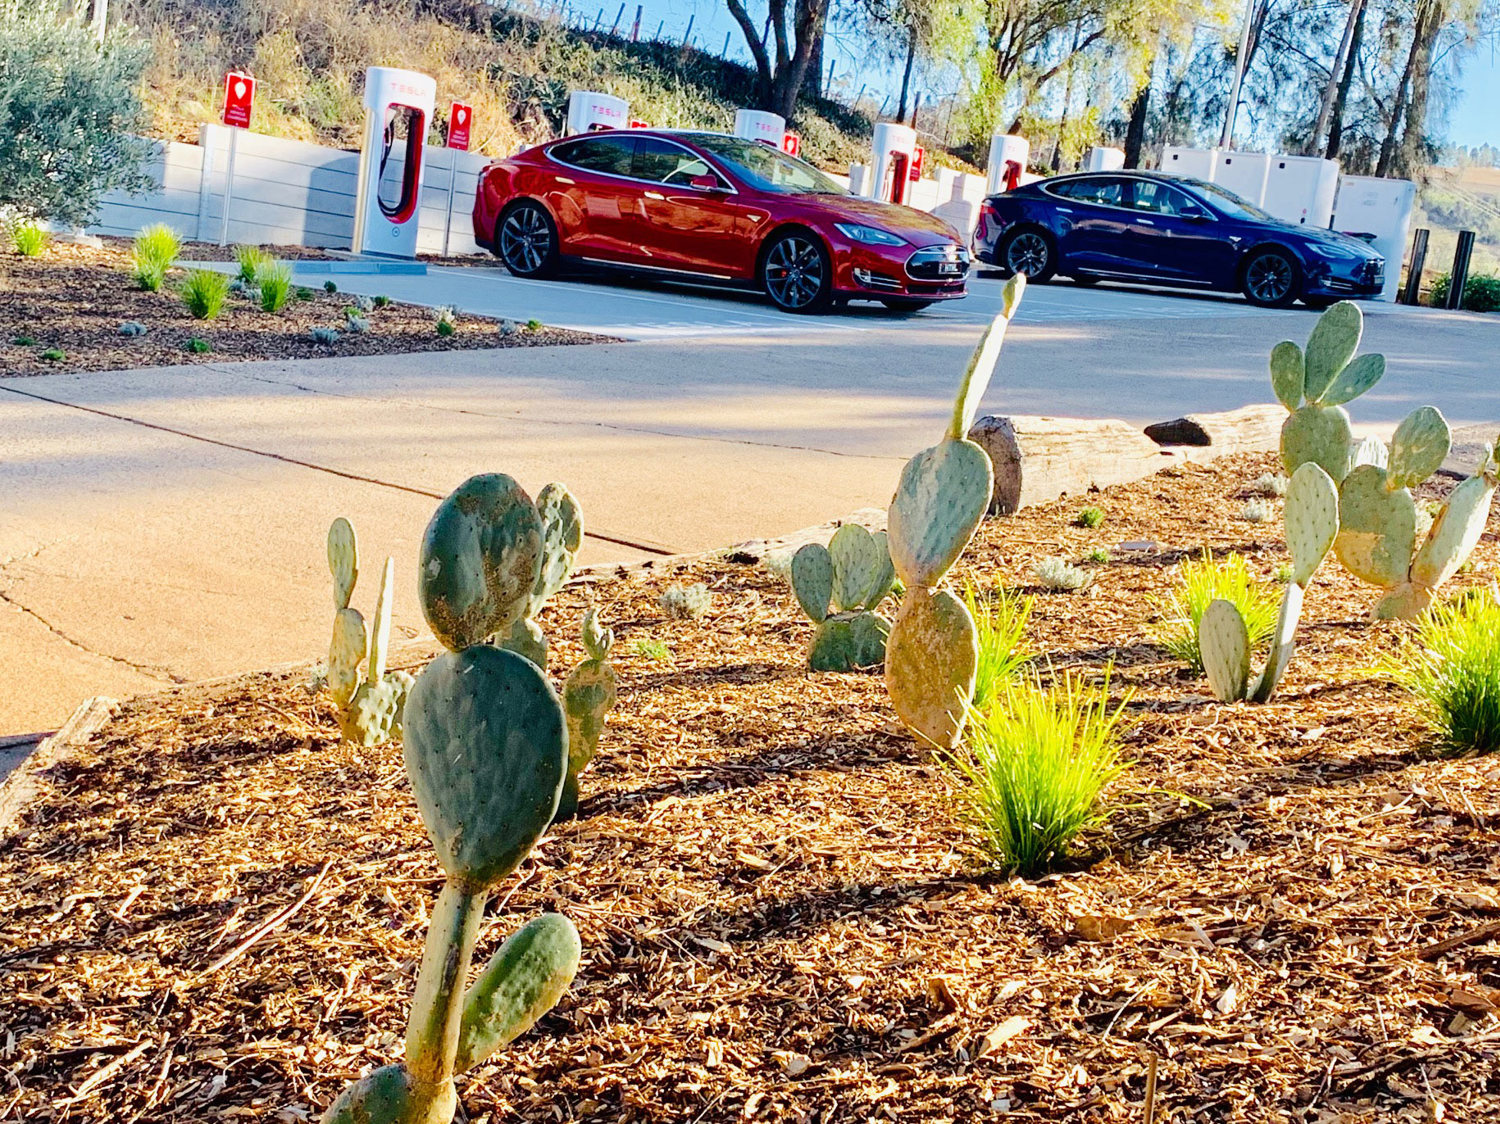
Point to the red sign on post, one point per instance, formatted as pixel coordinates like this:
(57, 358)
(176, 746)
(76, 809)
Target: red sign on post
(460, 117)
(791, 144)
(239, 99)
(637, 123)
(916, 162)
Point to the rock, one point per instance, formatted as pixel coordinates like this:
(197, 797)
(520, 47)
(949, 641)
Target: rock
(1038, 459)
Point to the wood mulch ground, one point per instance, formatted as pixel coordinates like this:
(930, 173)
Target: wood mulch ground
(73, 299)
(216, 911)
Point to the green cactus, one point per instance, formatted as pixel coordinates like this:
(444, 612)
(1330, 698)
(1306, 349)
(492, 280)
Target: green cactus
(562, 534)
(838, 587)
(486, 751)
(1314, 386)
(1312, 522)
(588, 696)
(369, 699)
(933, 649)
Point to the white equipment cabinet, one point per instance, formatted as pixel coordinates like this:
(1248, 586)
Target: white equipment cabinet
(1301, 189)
(1382, 208)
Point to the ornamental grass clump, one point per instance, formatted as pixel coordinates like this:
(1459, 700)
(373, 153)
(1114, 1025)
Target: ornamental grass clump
(29, 239)
(1032, 769)
(251, 260)
(204, 292)
(1000, 622)
(275, 283)
(1452, 666)
(156, 248)
(1203, 582)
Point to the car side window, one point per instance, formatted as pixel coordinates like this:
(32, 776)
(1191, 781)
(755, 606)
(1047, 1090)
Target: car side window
(1104, 190)
(611, 155)
(1159, 198)
(664, 162)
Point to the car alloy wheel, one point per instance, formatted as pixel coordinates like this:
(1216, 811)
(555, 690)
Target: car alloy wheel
(1028, 252)
(1270, 279)
(796, 273)
(527, 245)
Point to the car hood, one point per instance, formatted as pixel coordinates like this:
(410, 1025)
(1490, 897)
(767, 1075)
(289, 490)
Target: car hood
(1328, 240)
(917, 227)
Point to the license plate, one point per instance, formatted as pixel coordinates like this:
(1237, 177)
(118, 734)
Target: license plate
(950, 267)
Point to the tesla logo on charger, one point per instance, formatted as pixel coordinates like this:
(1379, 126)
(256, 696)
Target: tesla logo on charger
(239, 99)
(460, 117)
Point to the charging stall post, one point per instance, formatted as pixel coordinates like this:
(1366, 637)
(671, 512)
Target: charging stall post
(398, 109)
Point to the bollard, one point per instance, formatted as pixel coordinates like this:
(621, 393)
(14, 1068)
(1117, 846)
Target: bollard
(1458, 276)
(1411, 292)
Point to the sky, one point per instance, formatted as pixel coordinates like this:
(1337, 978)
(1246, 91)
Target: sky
(1473, 120)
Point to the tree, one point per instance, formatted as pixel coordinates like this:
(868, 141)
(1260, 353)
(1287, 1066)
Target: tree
(69, 113)
(780, 76)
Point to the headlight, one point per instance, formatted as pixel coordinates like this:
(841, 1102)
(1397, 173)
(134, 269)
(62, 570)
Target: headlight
(870, 234)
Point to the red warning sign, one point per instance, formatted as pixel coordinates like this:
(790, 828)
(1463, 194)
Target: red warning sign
(239, 99)
(460, 118)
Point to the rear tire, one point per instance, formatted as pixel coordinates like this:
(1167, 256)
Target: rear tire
(1271, 278)
(905, 304)
(526, 240)
(1028, 250)
(797, 273)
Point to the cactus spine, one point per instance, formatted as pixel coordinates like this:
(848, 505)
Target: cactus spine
(932, 653)
(588, 696)
(839, 587)
(1312, 521)
(370, 700)
(486, 751)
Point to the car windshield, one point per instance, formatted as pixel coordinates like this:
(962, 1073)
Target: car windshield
(768, 169)
(1230, 203)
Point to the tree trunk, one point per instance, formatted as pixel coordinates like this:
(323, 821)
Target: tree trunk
(1398, 104)
(1336, 76)
(763, 74)
(1430, 19)
(911, 58)
(1135, 132)
(1351, 63)
(814, 85)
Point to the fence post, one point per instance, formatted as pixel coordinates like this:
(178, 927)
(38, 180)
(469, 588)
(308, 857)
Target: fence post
(687, 36)
(1458, 277)
(1411, 292)
(724, 54)
(635, 28)
(618, 17)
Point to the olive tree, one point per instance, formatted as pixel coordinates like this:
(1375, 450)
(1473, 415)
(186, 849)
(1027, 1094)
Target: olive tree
(70, 111)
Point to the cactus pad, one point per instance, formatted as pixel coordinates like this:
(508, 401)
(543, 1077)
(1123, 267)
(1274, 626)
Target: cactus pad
(1319, 434)
(1312, 520)
(1358, 377)
(1224, 644)
(343, 561)
(520, 984)
(346, 655)
(885, 578)
(373, 716)
(380, 628)
(1455, 532)
(597, 641)
(479, 560)
(1282, 645)
(562, 534)
(486, 749)
(588, 697)
(1287, 374)
(856, 565)
(1377, 528)
(930, 663)
(941, 498)
(848, 642)
(1334, 340)
(812, 580)
(526, 638)
(1418, 449)
(981, 366)
(1372, 450)
(386, 1096)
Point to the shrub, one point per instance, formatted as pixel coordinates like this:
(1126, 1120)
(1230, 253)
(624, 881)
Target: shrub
(364, 304)
(690, 602)
(251, 259)
(1203, 582)
(534, 325)
(1452, 666)
(1257, 511)
(304, 293)
(1001, 626)
(325, 336)
(54, 355)
(355, 325)
(381, 301)
(330, 287)
(197, 345)
(1270, 486)
(156, 248)
(132, 328)
(275, 282)
(1481, 292)
(1097, 555)
(1089, 517)
(29, 239)
(23, 341)
(70, 113)
(653, 650)
(204, 293)
(1033, 766)
(1060, 576)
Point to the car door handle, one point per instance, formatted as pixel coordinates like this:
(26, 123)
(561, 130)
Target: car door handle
(1146, 222)
(1066, 210)
(654, 195)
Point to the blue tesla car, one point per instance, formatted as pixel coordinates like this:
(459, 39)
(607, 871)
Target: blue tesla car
(1170, 230)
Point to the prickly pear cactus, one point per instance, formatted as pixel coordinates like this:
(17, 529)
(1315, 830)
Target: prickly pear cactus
(1314, 386)
(838, 587)
(932, 651)
(561, 536)
(588, 697)
(369, 699)
(343, 561)
(1312, 522)
(486, 751)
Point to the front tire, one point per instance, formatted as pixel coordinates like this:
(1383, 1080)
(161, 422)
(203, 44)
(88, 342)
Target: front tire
(526, 240)
(797, 273)
(1028, 250)
(905, 304)
(1271, 278)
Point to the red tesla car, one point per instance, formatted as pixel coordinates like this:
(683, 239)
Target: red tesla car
(710, 206)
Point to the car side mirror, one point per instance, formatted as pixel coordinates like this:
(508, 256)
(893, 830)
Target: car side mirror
(705, 183)
(1194, 214)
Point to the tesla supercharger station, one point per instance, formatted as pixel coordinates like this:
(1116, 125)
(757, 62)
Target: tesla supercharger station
(892, 151)
(588, 112)
(398, 107)
(1243, 173)
(1195, 162)
(1380, 210)
(1101, 159)
(1301, 189)
(757, 125)
(1008, 156)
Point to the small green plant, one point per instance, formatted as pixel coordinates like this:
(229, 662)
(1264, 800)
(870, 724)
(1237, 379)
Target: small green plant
(29, 239)
(251, 259)
(381, 301)
(275, 282)
(685, 602)
(840, 586)
(1098, 555)
(132, 328)
(508, 328)
(1257, 511)
(156, 248)
(198, 346)
(1060, 576)
(1481, 292)
(54, 355)
(1000, 622)
(533, 325)
(330, 287)
(304, 293)
(23, 341)
(355, 325)
(1282, 573)
(204, 292)
(363, 304)
(325, 336)
(1452, 666)
(446, 322)
(1199, 584)
(1089, 517)
(650, 649)
(1033, 767)
(1270, 485)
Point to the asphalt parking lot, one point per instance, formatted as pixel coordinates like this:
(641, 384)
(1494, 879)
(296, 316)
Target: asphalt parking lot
(163, 526)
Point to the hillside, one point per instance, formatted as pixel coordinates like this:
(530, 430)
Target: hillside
(515, 69)
(1455, 199)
